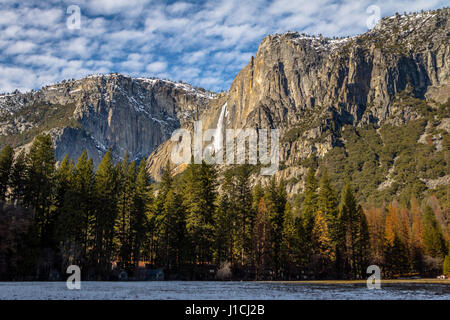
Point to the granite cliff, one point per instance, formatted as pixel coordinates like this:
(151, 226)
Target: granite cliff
(317, 91)
(101, 112)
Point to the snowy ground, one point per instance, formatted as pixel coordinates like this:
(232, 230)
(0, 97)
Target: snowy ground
(218, 290)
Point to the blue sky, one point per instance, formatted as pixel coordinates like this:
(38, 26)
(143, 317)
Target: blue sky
(204, 43)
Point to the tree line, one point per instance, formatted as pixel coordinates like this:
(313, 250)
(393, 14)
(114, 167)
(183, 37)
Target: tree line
(114, 218)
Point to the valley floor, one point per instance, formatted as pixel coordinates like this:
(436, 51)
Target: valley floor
(226, 290)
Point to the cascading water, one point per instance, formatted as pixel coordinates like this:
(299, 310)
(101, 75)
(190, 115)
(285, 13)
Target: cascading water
(218, 137)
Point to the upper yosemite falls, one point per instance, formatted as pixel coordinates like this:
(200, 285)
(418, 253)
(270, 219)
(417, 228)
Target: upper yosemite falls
(369, 107)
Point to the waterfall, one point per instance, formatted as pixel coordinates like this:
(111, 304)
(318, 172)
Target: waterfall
(218, 137)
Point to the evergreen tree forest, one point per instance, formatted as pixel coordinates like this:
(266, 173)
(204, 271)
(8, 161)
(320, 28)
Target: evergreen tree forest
(112, 219)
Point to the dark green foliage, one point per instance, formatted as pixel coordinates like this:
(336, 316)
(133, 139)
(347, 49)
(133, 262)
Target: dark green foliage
(327, 200)
(105, 213)
(224, 237)
(290, 243)
(275, 200)
(75, 230)
(73, 215)
(309, 209)
(434, 241)
(396, 258)
(371, 156)
(239, 213)
(125, 192)
(175, 231)
(353, 239)
(168, 219)
(44, 117)
(199, 201)
(18, 178)
(6, 161)
(140, 219)
(362, 244)
(19, 243)
(39, 186)
(446, 266)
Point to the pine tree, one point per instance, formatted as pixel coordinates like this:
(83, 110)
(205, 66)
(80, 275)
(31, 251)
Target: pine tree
(327, 200)
(75, 219)
(105, 215)
(329, 207)
(64, 177)
(417, 247)
(227, 226)
(244, 213)
(125, 191)
(376, 225)
(275, 198)
(362, 244)
(159, 221)
(258, 194)
(63, 180)
(81, 201)
(290, 243)
(396, 254)
(176, 229)
(39, 187)
(261, 236)
(66, 222)
(224, 227)
(352, 225)
(396, 258)
(140, 219)
(6, 162)
(199, 201)
(324, 254)
(433, 238)
(446, 266)
(18, 178)
(240, 213)
(309, 209)
(166, 183)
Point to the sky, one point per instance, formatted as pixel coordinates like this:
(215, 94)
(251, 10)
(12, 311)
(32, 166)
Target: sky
(204, 43)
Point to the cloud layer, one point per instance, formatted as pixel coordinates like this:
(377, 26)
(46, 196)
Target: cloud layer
(204, 43)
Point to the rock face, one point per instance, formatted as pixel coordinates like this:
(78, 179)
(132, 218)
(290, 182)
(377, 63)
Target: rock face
(103, 112)
(294, 78)
(311, 87)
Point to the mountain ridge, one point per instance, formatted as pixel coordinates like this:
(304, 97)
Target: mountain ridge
(312, 88)
(151, 108)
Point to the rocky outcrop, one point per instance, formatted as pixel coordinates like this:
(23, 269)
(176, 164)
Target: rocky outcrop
(310, 87)
(108, 112)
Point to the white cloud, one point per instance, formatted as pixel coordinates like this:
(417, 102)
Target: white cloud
(156, 67)
(205, 43)
(108, 7)
(20, 47)
(39, 17)
(80, 46)
(45, 61)
(179, 7)
(8, 17)
(195, 56)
